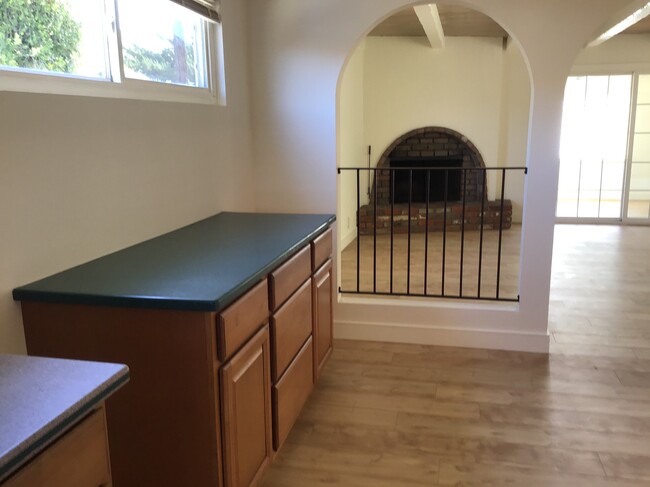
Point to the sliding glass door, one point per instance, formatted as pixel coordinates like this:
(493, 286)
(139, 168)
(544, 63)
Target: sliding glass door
(605, 150)
(638, 206)
(594, 147)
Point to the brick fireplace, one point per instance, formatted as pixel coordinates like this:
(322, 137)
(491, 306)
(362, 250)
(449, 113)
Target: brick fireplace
(432, 147)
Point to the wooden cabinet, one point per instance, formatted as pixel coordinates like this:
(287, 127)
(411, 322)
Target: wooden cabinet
(77, 459)
(321, 249)
(291, 392)
(213, 391)
(246, 408)
(289, 276)
(291, 325)
(321, 263)
(242, 319)
(164, 425)
(322, 319)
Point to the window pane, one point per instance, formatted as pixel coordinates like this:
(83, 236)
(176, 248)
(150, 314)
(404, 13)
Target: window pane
(640, 177)
(162, 42)
(643, 94)
(642, 123)
(610, 204)
(58, 36)
(613, 174)
(641, 151)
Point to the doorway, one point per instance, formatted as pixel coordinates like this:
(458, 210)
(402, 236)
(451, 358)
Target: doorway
(605, 150)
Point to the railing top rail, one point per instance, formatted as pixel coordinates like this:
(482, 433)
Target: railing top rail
(509, 168)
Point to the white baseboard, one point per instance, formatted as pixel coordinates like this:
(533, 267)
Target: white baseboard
(347, 239)
(426, 335)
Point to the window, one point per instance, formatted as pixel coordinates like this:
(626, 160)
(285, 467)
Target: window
(125, 48)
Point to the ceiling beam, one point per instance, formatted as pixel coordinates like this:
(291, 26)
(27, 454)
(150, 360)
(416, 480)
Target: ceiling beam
(430, 20)
(640, 13)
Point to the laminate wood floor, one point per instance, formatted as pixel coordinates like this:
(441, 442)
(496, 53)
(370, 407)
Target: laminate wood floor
(475, 250)
(410, 415)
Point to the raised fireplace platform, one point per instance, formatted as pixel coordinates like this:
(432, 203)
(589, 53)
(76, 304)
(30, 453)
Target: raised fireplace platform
(491, 217)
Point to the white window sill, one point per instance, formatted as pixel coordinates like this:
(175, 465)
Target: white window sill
(16, 81)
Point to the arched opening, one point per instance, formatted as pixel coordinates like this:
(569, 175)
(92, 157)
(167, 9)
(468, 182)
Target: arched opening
(433, 86)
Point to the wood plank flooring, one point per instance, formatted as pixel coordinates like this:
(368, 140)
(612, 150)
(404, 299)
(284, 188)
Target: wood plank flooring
(410, 415)
(440, 249)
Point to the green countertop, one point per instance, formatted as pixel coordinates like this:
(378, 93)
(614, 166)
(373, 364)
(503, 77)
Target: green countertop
(202, 267)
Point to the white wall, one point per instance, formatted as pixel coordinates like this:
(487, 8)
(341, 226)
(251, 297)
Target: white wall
(353, 150)
(81, 177)
(300, 48)
(409, 85)
(473, 86)
(515, 112)
(621, 54)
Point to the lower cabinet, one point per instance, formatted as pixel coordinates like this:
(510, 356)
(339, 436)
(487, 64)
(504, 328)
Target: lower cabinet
(322, 318)
(78, 459)
(212, 394)
(246, 409)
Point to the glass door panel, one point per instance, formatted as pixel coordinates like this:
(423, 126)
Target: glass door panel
(639, 187)
(593, 148)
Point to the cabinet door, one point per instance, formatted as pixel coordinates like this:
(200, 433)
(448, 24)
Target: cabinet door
(322, 309)
(246, 409)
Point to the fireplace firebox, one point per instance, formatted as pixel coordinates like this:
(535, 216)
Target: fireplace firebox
(467, 205)
(441, 182)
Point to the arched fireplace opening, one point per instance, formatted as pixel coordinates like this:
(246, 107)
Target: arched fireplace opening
(430, 147)
(447, 168)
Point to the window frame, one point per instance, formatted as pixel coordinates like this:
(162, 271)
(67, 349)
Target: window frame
(26, 80)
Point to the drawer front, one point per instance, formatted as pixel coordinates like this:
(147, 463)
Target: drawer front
(321, 249)
(242, 319)
(291, 393)
(291, 325)
(78, 459)
(289, 276)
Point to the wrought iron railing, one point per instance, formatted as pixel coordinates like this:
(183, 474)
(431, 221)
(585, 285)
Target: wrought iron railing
(431, 234)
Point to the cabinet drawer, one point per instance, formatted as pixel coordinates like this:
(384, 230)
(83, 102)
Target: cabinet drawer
(291, 393)
(290, 327)
(286, 278)
(78, 459)
(242, 319)
(321, 249)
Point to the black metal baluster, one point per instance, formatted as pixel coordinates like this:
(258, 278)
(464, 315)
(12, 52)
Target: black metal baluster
(374, 239)
(426, 233)
(480, 249)
(427, 227)
(503, 191)
(392, 219)
(358, 229)
(444, 231)
(462, 233)
(408, 262)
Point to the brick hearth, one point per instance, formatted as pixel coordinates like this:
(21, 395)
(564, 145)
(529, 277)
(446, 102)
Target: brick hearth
(491, 218)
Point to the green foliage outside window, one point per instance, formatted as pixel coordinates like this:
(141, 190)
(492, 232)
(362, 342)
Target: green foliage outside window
(162, 66)
(38, 34)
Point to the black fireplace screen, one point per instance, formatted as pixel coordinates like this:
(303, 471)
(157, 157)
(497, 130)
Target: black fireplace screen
(441, 183)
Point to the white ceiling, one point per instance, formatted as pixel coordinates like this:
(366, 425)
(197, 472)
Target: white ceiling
(461, 21)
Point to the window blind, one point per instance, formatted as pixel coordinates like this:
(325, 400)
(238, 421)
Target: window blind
(207, 8)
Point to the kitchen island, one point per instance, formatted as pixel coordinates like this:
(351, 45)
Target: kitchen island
(225, 325)
(52, 426)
